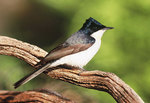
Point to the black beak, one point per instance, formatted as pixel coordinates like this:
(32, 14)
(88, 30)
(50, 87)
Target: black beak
(107, 28)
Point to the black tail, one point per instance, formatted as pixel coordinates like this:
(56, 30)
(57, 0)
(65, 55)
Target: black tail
(30, 76)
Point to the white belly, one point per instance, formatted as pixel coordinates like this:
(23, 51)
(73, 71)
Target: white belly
(79, 59)
(82, 58)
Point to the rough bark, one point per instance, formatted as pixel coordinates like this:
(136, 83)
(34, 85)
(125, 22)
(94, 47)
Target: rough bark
(99, 80)
(34, 96)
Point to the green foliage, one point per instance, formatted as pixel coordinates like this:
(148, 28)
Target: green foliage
(124, 50)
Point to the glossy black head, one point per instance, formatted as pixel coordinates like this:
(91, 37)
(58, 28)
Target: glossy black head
(91, 26)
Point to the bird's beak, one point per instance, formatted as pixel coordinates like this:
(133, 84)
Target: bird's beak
(107, 28)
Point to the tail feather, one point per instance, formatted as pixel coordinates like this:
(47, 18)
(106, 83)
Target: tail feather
(30, 76)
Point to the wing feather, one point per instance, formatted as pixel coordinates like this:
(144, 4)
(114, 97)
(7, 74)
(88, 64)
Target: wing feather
(62, 51)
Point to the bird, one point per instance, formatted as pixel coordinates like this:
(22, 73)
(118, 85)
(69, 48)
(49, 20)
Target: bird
(76, 51)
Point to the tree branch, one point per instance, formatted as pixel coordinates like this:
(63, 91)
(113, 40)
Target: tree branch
(36, 96)
(99, 80)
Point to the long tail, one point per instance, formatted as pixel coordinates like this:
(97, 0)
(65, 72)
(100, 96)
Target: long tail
(30, 76)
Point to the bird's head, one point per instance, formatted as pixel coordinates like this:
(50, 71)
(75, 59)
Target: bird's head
(91, 26)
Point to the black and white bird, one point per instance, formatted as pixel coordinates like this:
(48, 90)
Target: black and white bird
(76, 51)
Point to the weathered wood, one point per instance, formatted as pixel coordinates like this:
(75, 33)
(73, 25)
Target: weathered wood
(34, 96)
(99, 80)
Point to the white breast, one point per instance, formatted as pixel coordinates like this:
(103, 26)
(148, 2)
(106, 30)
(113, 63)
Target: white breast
(82, 58)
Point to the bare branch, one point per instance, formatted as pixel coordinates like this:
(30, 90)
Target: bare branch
(102, 81)
(34, 96)
(25, 51)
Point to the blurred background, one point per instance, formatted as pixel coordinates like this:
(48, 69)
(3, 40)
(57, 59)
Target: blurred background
(46, 23)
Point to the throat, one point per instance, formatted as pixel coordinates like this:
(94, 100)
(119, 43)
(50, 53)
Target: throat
(98, 35)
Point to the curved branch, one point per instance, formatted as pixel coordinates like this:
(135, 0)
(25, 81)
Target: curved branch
(102, 81)
(25, 51)
(34, 96)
